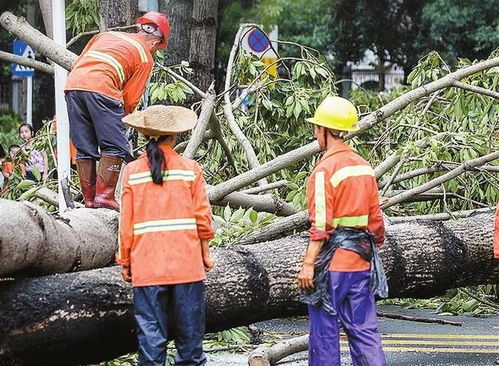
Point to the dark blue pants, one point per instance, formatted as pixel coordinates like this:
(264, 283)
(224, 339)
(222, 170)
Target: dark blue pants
(95, 122)
(356, 310)
(179, 308)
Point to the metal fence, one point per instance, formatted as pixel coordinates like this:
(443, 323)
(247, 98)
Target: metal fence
(5, 93)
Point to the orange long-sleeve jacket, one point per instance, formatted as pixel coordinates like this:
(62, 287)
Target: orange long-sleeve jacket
(114, 64)
(342, 192)
(496, 234)
(161, 227)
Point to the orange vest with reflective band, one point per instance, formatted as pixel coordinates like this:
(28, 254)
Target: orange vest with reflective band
(342, 192)
(496, 234)
(161, 226)
(115, 64)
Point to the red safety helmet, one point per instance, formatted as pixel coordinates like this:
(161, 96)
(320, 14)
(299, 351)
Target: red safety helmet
(160, 20)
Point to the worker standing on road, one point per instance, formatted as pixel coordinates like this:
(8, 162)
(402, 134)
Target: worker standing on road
(165, 226)
(105, 84)
(342, 199)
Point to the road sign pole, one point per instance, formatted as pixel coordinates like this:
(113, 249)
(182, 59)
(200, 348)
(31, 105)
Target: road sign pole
(29, 101)
(60, 76)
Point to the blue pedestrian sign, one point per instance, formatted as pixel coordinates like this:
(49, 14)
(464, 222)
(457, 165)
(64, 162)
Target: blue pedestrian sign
(20, 48)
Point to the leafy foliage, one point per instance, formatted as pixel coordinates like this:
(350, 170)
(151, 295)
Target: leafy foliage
(9, 123)
(166, 88)
(452, 126)
(460, 28)
(480, 300)
(234, 224)
(18, 187)
(82, 16)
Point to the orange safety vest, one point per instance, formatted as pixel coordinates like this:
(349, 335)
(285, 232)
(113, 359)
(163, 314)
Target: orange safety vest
(114, 64)
(161, 226)
(342, 191)
(496, 234)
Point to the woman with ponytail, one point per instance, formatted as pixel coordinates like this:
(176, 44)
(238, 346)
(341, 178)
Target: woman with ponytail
(165, 227)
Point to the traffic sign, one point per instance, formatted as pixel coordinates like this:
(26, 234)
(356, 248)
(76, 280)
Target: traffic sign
(258, 41)
(20, 48)
(263, 46)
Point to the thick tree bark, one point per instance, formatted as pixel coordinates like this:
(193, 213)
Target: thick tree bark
(179, 13)
(46, 9)
(84, 317)
(32, 242)
(81, 239)
(203, 41)
(118, 13)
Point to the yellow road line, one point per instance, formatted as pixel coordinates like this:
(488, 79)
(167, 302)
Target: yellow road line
(449, 336)
(441, 350)
(435, 350)
(417, 342)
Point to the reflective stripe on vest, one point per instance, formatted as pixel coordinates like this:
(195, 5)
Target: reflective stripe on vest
(173, 174)
(350, 171)
(351, 221)
(320, 202)
(110, 60)
(138, 46)
(164, 225)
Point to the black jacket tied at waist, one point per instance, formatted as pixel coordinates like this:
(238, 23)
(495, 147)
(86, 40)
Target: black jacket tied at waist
(360, 241)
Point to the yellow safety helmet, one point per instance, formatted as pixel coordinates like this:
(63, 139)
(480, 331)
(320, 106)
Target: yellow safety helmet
(336, 113)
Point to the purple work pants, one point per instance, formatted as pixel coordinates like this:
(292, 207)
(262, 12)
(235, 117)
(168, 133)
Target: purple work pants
(356, 310)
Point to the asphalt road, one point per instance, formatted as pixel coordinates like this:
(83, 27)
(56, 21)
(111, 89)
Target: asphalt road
(406, 343)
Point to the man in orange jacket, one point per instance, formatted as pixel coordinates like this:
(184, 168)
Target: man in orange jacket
(105, 84)
(342, 193)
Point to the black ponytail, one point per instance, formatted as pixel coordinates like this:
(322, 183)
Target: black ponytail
(156, 157)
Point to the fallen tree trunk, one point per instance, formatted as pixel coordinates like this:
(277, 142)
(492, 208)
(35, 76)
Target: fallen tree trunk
(33, 242)
(80, 239)
(84, 317)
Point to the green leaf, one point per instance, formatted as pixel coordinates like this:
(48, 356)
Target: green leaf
(227, 213)
(25, 183)
(237, 215)
(297, 110)
(29, 193)
(36, 173)
(253, 216)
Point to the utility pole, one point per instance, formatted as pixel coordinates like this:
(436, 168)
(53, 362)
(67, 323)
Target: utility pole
(60, 76)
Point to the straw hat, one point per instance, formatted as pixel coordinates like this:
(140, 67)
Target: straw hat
(162, 120)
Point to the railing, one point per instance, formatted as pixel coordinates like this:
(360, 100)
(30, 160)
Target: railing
(5, 93)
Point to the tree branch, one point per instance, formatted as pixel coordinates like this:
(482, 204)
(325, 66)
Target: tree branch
(228, 110)
(365, 123)
(40, 42)
(251, 176)
(268, 187)
(194, 88)
(265, 203)
(28, 62)
(414, 173)
(83, 34)
(383, 167)
(392, 177)
(401, 102)
(442, 216)
(241, 138)
(297, 222)
(476, 89)
(198, 133)
(442, 179)
(215, 126)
